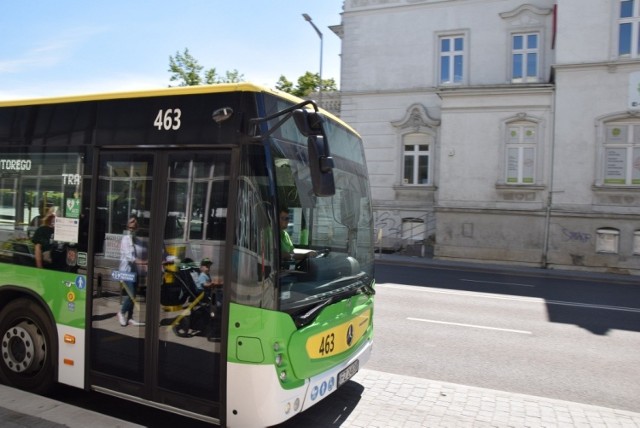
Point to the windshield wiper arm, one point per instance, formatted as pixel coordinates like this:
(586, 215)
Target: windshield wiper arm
(367, 289)
(307, 317)
(310, 315)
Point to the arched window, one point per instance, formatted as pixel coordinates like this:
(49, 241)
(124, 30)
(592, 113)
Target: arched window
(417, 133)
(416, 158)
(521, 145)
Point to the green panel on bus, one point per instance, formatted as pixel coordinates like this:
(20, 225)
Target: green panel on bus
(65, 293)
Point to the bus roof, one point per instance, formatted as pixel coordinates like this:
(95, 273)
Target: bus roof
(170, 91)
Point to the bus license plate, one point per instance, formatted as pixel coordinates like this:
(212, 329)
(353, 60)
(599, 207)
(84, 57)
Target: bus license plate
(348, 373)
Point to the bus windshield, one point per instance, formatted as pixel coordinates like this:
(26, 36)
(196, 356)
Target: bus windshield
(331, 235)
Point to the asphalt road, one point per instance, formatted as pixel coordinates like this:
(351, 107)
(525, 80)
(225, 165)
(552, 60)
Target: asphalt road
(574, 339)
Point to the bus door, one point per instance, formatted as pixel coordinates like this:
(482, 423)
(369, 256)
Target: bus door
(158, 277)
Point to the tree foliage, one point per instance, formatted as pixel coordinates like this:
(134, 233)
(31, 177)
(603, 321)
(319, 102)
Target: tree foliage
(187, 71)
(307, 84)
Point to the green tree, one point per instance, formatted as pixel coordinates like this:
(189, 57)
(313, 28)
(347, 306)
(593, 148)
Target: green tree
(187, 71)
(284, 85)
(307, 84)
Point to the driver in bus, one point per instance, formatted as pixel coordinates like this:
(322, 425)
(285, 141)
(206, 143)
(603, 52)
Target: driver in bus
(287, 250)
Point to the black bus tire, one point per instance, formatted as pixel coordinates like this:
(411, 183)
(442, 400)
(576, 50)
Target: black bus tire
(27, 353)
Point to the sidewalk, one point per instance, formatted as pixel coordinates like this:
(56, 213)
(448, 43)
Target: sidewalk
(19, 409)
(383, 400)
(372, 400)
(399, 259)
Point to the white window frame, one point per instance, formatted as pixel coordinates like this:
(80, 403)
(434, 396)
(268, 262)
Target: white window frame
(525, 51)
(464, 52)
(634, 22)
(416, 153)
(521, 143)
(525, 175)
(528, 19)
(621, 153)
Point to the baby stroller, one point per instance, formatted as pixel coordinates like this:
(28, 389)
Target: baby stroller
(198, 316)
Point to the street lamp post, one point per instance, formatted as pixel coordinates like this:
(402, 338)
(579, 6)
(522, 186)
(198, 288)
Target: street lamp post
(308, 19)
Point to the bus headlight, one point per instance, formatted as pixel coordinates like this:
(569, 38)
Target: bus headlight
(283, 375)
(278, 360)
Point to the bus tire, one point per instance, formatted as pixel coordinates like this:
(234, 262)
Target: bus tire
(26, 347)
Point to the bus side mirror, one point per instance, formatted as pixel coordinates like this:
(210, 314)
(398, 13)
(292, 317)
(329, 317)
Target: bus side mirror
(321, 166)
(308, 122)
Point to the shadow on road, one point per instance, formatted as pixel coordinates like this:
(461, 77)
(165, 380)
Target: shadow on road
(596, 303)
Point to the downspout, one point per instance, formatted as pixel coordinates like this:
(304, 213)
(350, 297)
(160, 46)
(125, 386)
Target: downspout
(547, 220)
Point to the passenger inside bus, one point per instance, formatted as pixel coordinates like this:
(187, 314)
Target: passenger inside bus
(205, 284)
(42, 211)
(131, 261)
(42, 239)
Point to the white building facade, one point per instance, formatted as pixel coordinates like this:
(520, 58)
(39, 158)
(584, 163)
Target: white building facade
(500, 130)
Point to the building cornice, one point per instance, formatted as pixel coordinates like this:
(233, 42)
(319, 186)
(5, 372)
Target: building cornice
(495, 90)
(416, 90)
(611, 65)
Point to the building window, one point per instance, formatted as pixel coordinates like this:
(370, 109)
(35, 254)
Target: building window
(628, 29)
(416, 158)
(525, 57)
(622, 154)
(520, 146)
(452, 53)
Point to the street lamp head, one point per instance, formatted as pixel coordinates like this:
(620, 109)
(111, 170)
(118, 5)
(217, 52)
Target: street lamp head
(308, 19)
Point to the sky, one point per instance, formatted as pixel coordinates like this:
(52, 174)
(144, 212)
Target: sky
(75, 47)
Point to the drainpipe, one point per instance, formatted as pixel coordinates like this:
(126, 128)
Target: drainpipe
(544, 262)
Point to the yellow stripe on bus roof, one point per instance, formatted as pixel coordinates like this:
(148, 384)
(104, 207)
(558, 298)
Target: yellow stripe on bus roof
(177, 90)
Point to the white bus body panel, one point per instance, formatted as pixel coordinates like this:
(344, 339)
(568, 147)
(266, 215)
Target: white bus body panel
(71, 374)
(255, 397)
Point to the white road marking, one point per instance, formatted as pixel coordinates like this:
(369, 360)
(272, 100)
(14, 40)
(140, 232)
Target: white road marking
(497, 282)
(508, 330)
(512, 298)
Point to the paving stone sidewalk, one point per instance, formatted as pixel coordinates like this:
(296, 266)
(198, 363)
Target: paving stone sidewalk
(391, 400)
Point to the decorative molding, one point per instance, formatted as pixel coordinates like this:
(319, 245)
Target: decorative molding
(526, 16)
(525, 8)
(522, 117)
(612, 117)
(416, 117)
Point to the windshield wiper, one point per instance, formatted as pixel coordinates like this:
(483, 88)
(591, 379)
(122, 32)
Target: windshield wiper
(367, 289)
(307, 317)
(311, 314)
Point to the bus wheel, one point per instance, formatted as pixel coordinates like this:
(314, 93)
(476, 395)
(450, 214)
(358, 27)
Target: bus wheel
(27, 360)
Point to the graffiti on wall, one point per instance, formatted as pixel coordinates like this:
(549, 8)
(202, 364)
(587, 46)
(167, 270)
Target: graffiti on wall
(389, 223)
(575, 235)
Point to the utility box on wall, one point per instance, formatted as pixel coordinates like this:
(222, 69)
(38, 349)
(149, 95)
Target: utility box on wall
(607, 241)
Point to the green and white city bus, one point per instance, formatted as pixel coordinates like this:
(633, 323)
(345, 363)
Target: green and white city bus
(205, 172)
